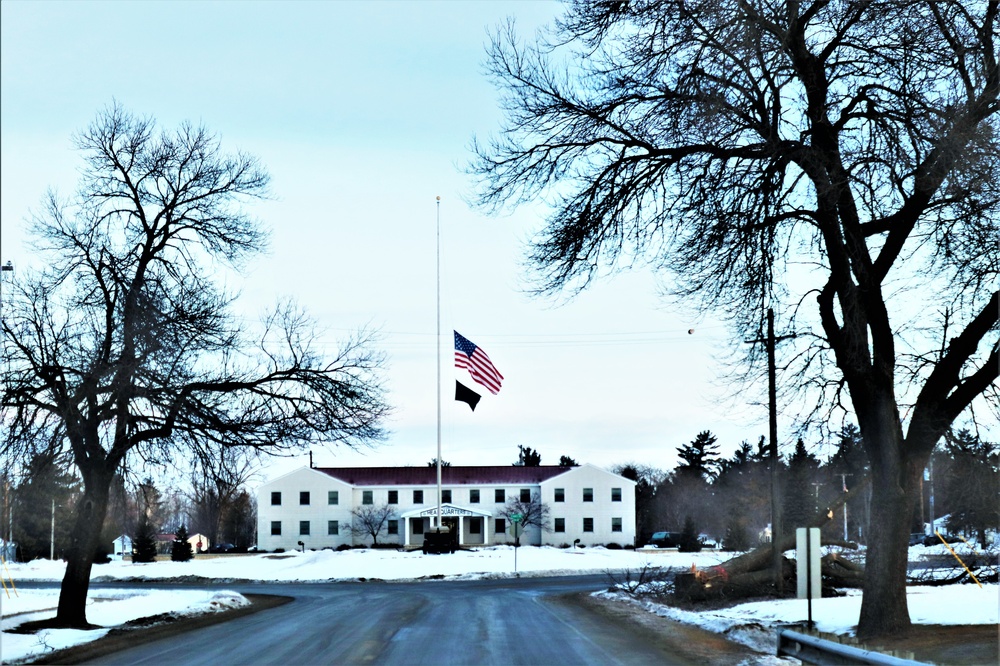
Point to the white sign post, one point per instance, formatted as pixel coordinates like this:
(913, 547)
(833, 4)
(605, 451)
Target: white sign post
(808, 574)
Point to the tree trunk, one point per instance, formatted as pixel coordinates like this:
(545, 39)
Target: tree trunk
(894, 494)
(85, 538)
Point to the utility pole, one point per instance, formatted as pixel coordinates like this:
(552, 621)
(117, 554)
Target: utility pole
(775, 461)
(843, 486)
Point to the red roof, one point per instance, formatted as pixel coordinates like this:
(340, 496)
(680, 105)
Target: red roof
(452, 476)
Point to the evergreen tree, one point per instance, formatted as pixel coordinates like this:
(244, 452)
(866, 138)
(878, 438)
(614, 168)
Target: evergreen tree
(144, 543)
(180, 551)
(689, 542)
(45, 482)
(700, 457)
(527, 457)
(799, 500)
(972, 485)
(566, 461)
(848, 466)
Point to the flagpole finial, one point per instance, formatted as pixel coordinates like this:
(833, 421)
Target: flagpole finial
(438, 198)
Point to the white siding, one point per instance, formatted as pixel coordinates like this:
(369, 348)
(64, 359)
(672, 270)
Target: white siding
(601, 509)
(290, 513)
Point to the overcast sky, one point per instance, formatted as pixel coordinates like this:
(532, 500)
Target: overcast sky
(363, 113)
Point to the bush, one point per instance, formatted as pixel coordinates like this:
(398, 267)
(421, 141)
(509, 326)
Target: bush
(342, 547)
(279, 550)
(564, 545)
(101, 555)
(614, 546)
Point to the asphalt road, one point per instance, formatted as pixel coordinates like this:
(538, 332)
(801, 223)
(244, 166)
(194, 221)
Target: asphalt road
(516, 621)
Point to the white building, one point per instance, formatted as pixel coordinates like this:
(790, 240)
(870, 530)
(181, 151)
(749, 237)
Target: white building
(313, 505)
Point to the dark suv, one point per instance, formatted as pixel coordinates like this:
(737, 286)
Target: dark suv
(665, 539)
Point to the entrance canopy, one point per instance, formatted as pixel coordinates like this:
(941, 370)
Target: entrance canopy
(447, 510)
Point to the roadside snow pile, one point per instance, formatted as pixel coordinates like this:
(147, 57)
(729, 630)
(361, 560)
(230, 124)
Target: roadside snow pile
(754, 623)
(109, 608)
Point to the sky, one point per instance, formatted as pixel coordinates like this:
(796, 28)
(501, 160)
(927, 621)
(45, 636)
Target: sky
(364, 113)
(752, 623)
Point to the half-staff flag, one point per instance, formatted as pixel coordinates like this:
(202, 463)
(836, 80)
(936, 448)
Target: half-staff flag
(466, 395)
(475, 360)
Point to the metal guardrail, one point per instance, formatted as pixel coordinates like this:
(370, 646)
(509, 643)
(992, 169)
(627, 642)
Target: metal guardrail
(813, 650)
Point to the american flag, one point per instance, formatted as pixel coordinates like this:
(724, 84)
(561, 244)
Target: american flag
(475, 360)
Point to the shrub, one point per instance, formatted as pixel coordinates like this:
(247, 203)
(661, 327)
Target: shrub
(564, 545)
(342, 547)
(614, 546)
(279, 550)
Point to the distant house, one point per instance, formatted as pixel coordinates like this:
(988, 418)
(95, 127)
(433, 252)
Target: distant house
(199, 543)
(165, 543)
(122, 546)
(313, 505)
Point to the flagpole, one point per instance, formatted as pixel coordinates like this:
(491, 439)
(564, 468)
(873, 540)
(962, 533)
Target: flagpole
(438, 257)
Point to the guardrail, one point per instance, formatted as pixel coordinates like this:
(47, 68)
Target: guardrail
(813, 650)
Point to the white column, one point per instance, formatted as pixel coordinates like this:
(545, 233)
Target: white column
(406, 532)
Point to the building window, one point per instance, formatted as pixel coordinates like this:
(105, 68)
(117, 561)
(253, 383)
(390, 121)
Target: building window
(275, 528)
(304, 497)
(560, 525)
(616, 494)
(560, 495)
(394, 527)
(525, 495)
(304, 527)
(475, 526)
(333, 497)
(588, 494)
(275, 499)
(501, 526)
(333, 527)
(588, 524)
(418, 498)
(367, 497)
(474, 496)
(616, 524)
(393, 497)
(418, 525)
(498, 496)
(446, 496)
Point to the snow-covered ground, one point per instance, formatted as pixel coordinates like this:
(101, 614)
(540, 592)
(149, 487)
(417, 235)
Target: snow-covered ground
(750, 623)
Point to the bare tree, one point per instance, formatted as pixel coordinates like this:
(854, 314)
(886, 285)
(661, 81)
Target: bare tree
(370, 520)
(218, 478)
(769, 155)
(126, 346)
(533, 513)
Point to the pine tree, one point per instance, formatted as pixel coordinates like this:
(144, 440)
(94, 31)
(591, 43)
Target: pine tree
(799, 501)
(180, 551)
(144, 543)
(689, 542)
(700, 457)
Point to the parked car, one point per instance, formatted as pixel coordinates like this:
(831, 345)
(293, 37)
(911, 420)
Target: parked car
(665, 539)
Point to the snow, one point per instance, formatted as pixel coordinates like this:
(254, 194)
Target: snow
(751, 623)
